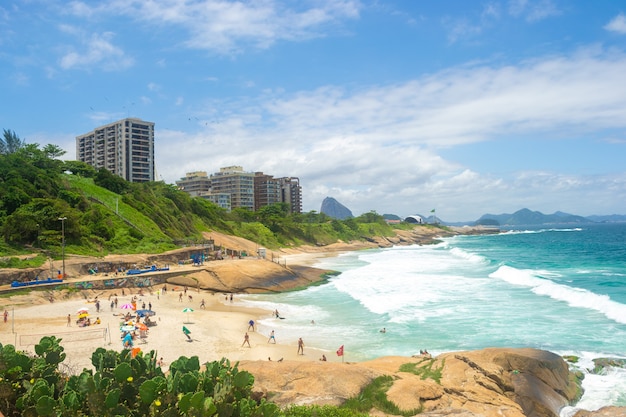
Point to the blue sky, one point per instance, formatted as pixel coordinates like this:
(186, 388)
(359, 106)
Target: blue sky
(466, 107)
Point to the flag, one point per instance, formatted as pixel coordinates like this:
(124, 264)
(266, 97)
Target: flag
(340, 351)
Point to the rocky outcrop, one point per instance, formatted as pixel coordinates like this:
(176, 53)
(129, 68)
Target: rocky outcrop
(485, 383)
(603, 412)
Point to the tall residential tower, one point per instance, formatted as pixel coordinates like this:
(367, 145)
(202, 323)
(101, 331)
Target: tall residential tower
(124, 148)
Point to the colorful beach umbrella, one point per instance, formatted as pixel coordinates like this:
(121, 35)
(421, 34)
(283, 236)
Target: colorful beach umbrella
(187, 310)
(83, 310)
(145, 313)
(127, 306)
(83, 315)
(141, 326)
(127, 328)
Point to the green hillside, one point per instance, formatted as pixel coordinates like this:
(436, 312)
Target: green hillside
(104, 214)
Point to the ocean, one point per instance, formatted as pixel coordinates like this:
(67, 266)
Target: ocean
(561, 289)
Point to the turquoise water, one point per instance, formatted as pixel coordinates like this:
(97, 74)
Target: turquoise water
(559, 289)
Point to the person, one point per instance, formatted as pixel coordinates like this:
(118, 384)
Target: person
(97, 306)
(383, 330)
(98, 320)
(323, 358)
(231, 298)
(272, 338)
(112, 304)
(160, 362)
(69, 320)
(202, 304)
(150, 305)
(6, 316)
(180, 297)
(300, 346)
(246, 339)
(251, 325)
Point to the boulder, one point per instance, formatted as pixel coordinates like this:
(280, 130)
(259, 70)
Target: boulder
(486, 383)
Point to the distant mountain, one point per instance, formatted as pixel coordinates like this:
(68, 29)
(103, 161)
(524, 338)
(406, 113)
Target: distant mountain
(335, 209)
(611, 218)
(528, 217)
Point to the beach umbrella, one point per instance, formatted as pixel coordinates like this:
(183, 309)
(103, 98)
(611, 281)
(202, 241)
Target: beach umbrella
(83, 310)
(128, 340)
(83, 315)
(145, 313)
(127, 328)
(127, 306)
(141, 326)
(187, 310)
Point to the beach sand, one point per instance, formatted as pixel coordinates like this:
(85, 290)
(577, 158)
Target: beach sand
(217, 331)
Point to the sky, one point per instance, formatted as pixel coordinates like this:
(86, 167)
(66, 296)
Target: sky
(398, 106)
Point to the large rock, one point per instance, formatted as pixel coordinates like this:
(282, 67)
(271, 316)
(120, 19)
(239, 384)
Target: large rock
(603, 412)
(485, 383)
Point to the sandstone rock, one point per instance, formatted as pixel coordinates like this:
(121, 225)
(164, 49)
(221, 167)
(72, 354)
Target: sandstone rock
(485, 383)
(603, 412)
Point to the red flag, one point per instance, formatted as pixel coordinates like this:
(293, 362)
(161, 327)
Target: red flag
(340, 351)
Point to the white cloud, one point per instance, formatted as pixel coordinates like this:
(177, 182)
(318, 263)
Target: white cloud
(378, 147)
(98, 52)
(617, 24)
(226, 26)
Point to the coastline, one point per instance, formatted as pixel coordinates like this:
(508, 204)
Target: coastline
(216, 331)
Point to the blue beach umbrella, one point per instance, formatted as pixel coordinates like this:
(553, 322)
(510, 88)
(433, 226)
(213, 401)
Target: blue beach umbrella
(145, 313)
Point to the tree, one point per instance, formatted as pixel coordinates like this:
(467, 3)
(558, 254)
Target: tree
(10, 142)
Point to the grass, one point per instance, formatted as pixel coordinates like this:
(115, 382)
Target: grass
(424, 369)
(22, 263)
(375, 396)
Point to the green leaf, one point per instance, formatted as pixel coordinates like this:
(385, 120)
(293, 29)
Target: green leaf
(242, 379)
(197, 400)
(184, 404)
(148, 391)
(112, 398)
(122, 372)
(45, 405)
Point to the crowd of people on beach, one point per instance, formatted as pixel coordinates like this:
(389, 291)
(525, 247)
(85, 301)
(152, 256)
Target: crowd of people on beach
(128, 319)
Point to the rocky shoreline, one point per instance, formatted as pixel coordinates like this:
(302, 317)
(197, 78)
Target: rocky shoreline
(484, 383)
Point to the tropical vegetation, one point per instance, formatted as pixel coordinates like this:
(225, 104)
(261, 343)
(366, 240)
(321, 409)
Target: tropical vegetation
(44, 200)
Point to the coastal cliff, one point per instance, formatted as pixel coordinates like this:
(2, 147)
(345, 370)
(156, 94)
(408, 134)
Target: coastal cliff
(486, 383)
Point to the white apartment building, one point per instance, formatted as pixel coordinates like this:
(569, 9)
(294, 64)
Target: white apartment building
(239, 184)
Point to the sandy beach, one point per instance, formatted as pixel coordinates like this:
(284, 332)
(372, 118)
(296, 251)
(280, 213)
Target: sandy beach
(217, 330)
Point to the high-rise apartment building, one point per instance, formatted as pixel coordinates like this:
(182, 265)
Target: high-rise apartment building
(239, 184)
(291, 192)
(124, 148)
(266, 190)
(269, 190)
(195, 183)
